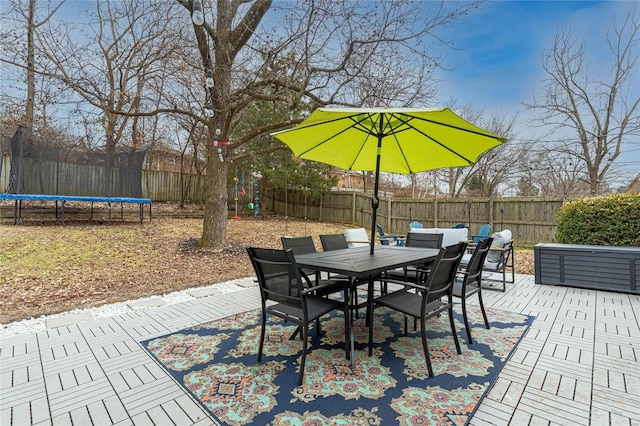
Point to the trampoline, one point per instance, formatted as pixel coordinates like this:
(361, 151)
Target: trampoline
(18, 198)
(67, 172)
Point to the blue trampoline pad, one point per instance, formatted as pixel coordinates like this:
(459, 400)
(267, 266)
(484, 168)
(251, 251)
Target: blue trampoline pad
(42, 197)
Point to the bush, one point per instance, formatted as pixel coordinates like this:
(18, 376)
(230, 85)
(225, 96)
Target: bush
(612, 220)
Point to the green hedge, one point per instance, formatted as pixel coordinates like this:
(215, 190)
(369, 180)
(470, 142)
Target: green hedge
(612, 220)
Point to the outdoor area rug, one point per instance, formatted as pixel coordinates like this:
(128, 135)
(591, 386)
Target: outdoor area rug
(217, 363)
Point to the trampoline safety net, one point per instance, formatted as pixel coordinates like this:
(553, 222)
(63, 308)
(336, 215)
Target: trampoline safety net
(72, 170)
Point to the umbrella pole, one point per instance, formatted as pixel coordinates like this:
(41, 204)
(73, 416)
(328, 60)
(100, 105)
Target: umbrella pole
(375, 202)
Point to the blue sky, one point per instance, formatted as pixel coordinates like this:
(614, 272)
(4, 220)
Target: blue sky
(497, 61)
(499, 48)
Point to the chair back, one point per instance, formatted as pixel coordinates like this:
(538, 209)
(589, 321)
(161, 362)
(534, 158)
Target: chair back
(278, 276)
(443, 272)
(380, 230)
(299, 245)
(356, 237)
(484, 230)
(459, 225)
(415, 225)
(422, 240)
(473, 272)
(483, 233)
(333, 242)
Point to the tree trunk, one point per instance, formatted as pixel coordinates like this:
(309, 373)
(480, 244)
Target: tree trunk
(215, 202)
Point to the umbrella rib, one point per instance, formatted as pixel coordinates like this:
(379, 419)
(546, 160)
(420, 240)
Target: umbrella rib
(406, 122)
(356, 125)
(451, 126)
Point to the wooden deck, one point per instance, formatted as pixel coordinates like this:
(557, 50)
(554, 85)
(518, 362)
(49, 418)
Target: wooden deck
(579, 364)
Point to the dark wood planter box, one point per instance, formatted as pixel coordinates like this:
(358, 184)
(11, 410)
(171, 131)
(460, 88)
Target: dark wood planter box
(595, 267)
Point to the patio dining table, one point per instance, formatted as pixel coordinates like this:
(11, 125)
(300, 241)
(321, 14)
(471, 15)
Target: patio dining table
(357, 262)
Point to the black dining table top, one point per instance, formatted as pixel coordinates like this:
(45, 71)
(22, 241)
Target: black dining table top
(359, 263)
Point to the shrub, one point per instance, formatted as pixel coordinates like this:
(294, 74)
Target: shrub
(612, 220)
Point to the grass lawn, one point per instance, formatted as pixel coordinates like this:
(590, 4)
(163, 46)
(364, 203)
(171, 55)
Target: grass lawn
(46, 268)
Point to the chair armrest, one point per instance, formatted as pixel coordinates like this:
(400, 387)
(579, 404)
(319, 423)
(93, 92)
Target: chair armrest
(321, 286)
(405, 283)
(387, 238)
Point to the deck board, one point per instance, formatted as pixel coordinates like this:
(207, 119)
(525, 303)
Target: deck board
(579, 363)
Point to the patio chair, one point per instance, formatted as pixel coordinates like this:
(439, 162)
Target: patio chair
(470, 282)
(483, 233)
(339, 242)
(424, 240)
(415, 225)
(356, 237)
(389, 239)
(434, 296)
(415, 239)
(333, 242)
(280, 282)
(304, 245)
(499, 259)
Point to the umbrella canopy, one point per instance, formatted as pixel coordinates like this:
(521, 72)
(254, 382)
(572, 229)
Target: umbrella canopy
(394, 140)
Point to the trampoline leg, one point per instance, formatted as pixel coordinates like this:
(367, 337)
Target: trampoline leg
(15, 211)
(62, 210)
(109, 212)
(91, 217)
(122, 212)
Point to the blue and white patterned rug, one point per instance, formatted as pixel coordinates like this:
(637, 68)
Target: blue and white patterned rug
(217, 363)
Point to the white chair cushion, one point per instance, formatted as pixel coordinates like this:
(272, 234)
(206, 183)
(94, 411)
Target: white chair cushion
(499, 239)
(356, 237)
(450, 236)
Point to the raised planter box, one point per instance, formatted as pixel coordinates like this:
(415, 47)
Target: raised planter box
(595, 267)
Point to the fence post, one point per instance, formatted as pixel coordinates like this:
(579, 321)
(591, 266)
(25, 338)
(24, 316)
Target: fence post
(435, 212)
(353, 207)
(491, 208)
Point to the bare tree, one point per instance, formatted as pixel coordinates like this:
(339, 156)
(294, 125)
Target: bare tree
(14, 40)
(320, 52)
(557, 174)
(109, 63)
(495, 168)
(602, 112)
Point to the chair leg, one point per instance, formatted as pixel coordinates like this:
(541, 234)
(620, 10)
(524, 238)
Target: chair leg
(453, 329)
(484, 313)
(305, 332)
(264, 324)
(425, 347)
(464, 317)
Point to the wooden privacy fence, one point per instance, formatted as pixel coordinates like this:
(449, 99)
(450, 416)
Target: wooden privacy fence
(532, 220)
(167, 186)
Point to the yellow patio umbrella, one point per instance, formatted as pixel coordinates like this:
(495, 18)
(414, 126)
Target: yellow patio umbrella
(393, 140)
